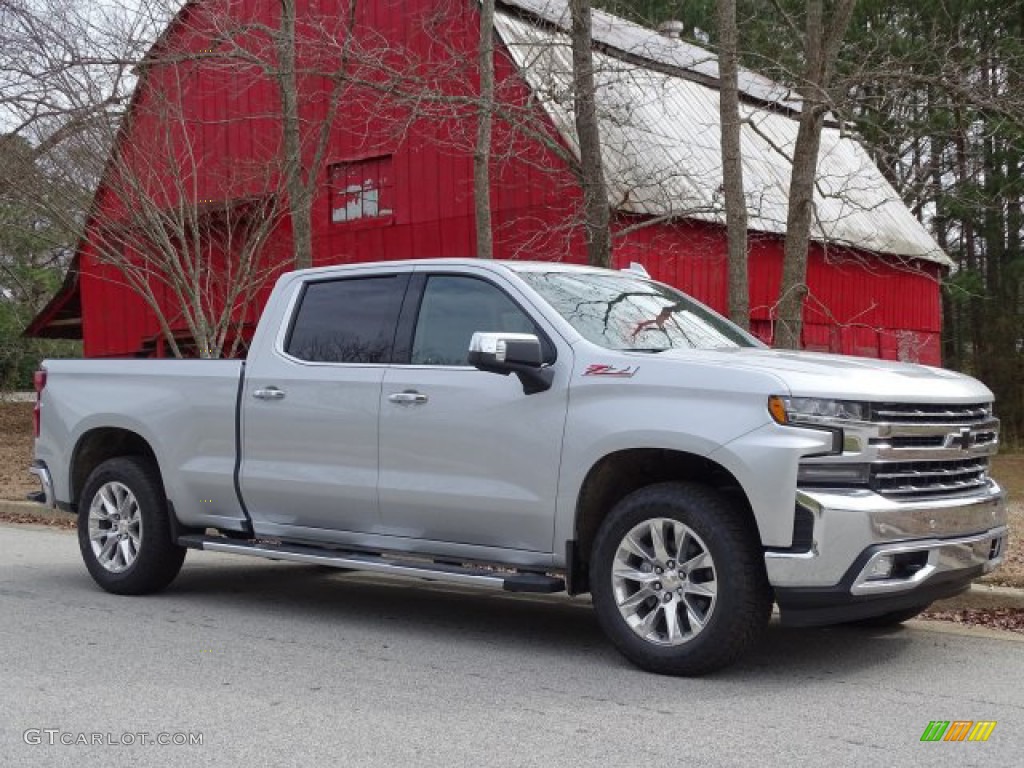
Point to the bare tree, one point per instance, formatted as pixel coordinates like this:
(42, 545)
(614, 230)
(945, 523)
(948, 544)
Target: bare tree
(823, 37)
(482, 151)
(300, 194)
(732, 163)
(597, 211)
(66, 69)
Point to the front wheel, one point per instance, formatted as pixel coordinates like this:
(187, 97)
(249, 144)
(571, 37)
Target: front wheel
(677, 579)
(123, 528)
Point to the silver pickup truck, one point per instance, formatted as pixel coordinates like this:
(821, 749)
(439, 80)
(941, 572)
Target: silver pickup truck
(537, 428)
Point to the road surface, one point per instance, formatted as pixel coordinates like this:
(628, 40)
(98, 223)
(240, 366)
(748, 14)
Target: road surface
(280, 664)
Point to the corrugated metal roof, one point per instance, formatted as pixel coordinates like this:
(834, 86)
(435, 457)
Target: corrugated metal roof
(661, 140)
(637, 40)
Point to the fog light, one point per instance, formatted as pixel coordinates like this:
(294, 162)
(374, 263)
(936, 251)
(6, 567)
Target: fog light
(881, 568)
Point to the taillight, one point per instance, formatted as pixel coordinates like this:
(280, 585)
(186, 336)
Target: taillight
(40, 381)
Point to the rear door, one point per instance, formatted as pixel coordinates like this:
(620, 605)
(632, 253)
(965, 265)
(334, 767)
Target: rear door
(310, 409)
(465, 456)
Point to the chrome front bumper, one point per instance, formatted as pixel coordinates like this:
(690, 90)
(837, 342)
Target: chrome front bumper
(854, 529)
(45, 496)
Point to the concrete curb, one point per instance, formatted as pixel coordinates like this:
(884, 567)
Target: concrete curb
(980, 596)
(984, 597)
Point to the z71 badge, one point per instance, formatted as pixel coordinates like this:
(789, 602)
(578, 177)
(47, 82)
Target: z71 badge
(599, 369)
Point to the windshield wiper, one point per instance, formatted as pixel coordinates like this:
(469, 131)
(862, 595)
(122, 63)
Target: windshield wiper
(648, 350)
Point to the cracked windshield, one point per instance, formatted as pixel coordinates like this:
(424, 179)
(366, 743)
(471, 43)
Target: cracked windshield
(629, 313)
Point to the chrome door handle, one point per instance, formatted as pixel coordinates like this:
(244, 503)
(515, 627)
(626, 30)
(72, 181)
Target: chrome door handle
(409, 397)
(270, 393)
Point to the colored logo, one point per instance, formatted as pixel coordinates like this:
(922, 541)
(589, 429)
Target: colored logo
(958, 730)
(626, 372)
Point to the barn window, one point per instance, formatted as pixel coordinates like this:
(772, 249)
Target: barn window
(361, 190)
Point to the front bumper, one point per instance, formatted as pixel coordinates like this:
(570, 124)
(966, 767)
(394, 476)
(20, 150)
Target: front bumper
(871, 555)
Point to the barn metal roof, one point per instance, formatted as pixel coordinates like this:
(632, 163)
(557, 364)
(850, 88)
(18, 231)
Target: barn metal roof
(661, 139)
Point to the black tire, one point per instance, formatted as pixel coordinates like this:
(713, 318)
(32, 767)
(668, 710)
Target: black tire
(735, 618)
(890, 619)
(157, 559)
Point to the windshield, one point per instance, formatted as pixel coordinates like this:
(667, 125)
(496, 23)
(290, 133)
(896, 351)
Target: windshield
(627, 312)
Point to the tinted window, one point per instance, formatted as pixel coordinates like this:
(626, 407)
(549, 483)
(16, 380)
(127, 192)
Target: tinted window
(347, 321)
(453, 309)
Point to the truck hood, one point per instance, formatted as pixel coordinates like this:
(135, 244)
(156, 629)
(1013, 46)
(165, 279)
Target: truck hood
(814, 374)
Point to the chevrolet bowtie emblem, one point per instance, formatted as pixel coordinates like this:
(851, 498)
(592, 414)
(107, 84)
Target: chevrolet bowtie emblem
(961, 439)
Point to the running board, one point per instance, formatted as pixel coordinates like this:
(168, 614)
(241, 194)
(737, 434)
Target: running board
(358, 561)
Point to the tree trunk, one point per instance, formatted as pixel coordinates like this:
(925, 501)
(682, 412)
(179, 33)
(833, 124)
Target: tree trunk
(482, 153)
(732, 163)
(821, 47)
(300, 198)
(595, 194)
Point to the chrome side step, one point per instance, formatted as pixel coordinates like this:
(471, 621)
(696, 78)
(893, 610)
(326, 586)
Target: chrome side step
(359, 561)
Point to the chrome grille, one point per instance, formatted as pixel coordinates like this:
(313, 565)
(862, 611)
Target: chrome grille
(917, 413)
(929, 478)
(917, 450)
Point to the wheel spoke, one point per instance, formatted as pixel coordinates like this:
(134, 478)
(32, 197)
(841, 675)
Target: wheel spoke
(672, 628)
(702, 589)
(126, 552)
(697, 622)
(698, 561)
(632, 545)
(124, 503)
(658, 541)
(629, 573)
(107, 505)
(107, 552)
(645, 626)
(682, 541)
(635, 600)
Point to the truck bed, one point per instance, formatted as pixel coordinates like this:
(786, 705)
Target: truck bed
(185, 409)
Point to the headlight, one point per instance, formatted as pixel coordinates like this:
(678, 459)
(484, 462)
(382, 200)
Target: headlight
(812, 411)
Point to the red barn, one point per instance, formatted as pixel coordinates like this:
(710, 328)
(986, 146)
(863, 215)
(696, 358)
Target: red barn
(392, 172)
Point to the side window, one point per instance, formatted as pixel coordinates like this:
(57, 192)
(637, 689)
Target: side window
(452, 310)
(347, 321)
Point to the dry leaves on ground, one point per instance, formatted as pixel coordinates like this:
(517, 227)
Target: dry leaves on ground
(1011, 619)
(66, 522)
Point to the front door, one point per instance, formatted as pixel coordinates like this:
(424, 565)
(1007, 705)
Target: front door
(465, 456)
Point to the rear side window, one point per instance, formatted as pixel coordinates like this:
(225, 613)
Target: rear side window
(347, 321)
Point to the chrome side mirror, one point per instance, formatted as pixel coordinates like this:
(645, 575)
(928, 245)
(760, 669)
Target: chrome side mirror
(518, 353)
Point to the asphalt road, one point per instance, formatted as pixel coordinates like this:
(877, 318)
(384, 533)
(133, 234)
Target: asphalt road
(279, 665)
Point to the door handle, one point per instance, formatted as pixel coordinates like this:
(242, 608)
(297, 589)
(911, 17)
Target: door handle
(270, 393)
(409, 397)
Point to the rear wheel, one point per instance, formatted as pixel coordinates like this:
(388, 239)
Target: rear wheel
(677, 579)
(123, 529)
